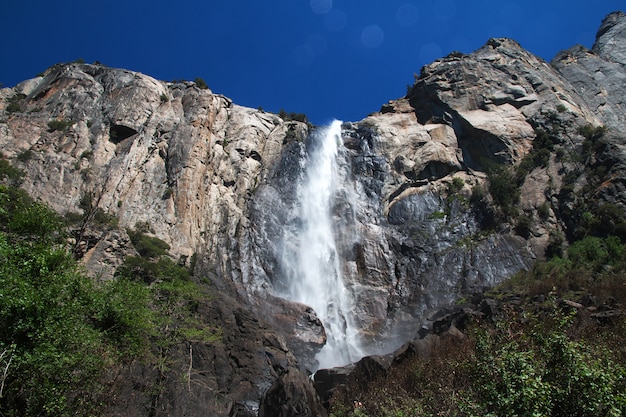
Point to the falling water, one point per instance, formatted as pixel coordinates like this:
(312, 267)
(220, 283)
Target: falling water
(312, 260)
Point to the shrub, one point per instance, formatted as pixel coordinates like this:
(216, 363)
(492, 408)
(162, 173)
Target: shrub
(298, 117)
(596, 253)
(175, 299)
(45, 315)
(544, 374)
(123, 315)
(543, 210)
(14, 105)
(201, 83)
(523, 226)
(25, 155)
(60, 330)
(456, 185)
(60, 125)
(36, 220)
(508, 380)
(555, 244)
(438, 215)
(591, 132)
(9, 173)
(594, 141)
(104, 219)
(149, 247)
(504, 188)
(12, 200)
(45, 325)
(608, 220)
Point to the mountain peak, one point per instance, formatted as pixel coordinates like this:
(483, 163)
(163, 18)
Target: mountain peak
(491, 161)
(611, 38)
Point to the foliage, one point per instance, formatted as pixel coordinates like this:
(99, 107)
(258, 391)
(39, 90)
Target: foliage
(579, 208)
(505, 181)
(543, 146)
(24, 155)
(202, 85)
(523, 225)
(456, 185)
(595, 254)
(298, 117)
(515, 368)
(60, 125)
(92, 215)
(583, 214)
(105, 219)
(60, 329)
(537, 357)
(504, 188)
(603, 220)
(37, 221)
(543, 210)
(149, 247)
(10, 174)
(175, 296)
(13, 103)
(545, 373)
(438, 215)
(12, 200)
(591, 132)
(555, 244)
(46, 306)
(508, 381)
(45, 316)
(124, 317)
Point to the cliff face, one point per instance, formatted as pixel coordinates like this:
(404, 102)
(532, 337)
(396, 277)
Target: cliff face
(218, 182)
(183, 159)
(599, 76)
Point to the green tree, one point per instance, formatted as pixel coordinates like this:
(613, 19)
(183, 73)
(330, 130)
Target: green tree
(544, 374)
(59, 330)
(202, 85)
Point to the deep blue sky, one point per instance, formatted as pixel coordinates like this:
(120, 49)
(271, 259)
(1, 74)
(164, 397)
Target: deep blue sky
(326, 58)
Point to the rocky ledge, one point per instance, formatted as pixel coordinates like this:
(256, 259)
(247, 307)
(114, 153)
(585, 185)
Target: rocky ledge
(490, 160)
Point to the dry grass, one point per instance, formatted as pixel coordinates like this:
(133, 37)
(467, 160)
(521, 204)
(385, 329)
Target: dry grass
(443, 382)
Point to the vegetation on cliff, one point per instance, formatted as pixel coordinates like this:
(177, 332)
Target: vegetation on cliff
(554, 348)
(141, 336)
(60, 330)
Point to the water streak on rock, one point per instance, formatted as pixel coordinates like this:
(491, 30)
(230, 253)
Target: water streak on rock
(310, 255)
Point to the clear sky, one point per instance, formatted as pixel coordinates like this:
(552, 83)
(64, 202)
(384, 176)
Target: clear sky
(325, 58)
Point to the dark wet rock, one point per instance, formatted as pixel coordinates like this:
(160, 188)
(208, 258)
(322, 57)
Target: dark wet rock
(291, 395)
(218, 183)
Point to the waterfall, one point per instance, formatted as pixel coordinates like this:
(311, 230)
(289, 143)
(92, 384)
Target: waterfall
(310, 258)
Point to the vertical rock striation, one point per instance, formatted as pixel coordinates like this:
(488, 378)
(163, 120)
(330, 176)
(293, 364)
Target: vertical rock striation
(414, 220)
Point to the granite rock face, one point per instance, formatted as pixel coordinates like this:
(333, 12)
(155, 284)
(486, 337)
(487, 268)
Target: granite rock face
(183, 163)
(218, 183)
(599, 75)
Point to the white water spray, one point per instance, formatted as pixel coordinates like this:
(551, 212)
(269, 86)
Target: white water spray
(311, 260)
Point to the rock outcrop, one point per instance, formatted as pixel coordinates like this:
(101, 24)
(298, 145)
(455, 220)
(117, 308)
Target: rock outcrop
(218, 183)
(599, 76)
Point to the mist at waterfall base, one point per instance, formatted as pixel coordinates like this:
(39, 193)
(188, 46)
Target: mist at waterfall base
(310, 256)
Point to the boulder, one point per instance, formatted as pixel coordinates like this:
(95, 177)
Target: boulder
(218, 182)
